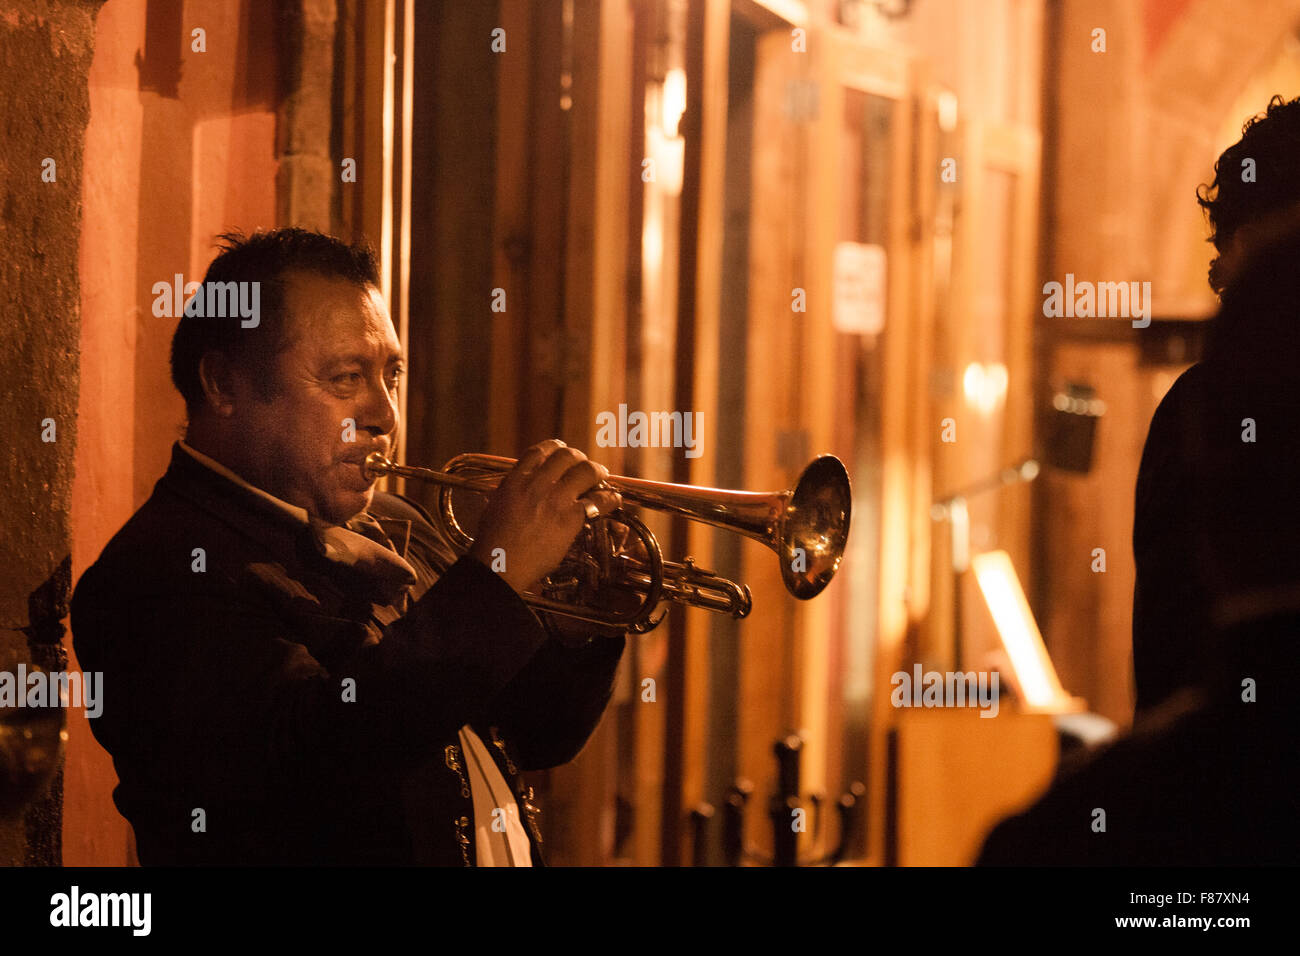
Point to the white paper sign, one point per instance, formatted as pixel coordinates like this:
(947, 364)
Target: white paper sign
(859, 288)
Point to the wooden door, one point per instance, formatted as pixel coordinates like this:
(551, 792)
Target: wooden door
(832, 164)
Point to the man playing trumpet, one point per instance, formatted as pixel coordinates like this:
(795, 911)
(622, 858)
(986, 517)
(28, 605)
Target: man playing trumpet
(299, 669)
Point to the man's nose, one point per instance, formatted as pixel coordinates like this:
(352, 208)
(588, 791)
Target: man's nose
(380, 414)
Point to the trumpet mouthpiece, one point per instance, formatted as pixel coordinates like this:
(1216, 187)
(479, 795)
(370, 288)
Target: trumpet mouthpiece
(375, 465)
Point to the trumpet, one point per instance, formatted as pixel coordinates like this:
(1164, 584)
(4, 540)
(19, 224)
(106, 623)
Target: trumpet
(806, 526)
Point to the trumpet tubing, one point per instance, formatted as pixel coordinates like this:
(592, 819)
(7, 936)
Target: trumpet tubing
(806, 526)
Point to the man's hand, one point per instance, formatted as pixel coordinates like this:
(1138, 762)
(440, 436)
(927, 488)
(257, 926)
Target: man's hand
(535, 513)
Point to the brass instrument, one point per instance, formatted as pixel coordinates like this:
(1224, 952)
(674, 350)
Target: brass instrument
(807, 527)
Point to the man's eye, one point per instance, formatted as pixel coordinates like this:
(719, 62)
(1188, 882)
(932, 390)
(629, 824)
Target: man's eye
(395, 376)
(347, 378)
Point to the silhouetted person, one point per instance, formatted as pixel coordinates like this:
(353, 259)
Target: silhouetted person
(1198, 427)
(1209, 776)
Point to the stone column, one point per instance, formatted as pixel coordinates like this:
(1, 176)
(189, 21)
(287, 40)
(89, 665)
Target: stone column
(308, 174)
(45, 53)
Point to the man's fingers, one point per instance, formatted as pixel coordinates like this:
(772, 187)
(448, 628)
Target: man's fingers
(606, 501)
(579, 479)
(537, 455)
(565, 476)
(542, 481)
(531, 459)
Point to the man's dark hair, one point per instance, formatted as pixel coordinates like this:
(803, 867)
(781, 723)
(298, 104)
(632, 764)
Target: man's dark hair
(267, 258)
(1272, 140)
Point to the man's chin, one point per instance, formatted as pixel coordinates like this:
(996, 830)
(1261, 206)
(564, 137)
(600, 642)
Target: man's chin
(348, 504)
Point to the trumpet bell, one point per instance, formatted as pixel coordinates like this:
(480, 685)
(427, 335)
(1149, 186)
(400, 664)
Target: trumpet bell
(815, 527)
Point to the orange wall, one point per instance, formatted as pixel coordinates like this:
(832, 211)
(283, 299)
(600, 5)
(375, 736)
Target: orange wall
(1158, 16)
(163, 176)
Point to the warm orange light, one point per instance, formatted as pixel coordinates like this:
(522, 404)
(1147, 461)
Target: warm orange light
(674, 101)
(1034, 673)
(985, 386)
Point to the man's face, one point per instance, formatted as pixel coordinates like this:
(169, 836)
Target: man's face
(343, 363)
(1248, 239)
(1227, 264)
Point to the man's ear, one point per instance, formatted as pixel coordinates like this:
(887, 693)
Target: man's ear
(217, 378)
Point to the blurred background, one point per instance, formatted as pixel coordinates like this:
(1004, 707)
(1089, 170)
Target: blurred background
(824, 225)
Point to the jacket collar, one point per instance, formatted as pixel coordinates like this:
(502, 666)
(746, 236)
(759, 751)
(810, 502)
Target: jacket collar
(299, 513)
(256, 516)
(290, 532)
(216, 489)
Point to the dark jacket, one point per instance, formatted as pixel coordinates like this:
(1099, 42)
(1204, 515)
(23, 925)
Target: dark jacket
(1217, 517)
(1211, 777)
(224, 689)
(1211, 773)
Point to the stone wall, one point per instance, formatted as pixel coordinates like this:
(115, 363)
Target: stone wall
(45, 54)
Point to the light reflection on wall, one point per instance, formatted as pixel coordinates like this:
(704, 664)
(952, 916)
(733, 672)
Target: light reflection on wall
(985, 386)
